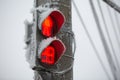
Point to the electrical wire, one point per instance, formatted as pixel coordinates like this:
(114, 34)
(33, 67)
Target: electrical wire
(110, 15)
(91, 41)
(104, 42)
(106, 29)
(73, 40)
(118, 24)
(113, 5)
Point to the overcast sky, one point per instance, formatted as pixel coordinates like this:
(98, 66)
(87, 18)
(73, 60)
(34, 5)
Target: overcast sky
(13, 65)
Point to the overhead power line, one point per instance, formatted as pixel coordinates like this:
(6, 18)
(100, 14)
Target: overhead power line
(117, 21)
(91, 41)
(104, 42)
(113, 25)
(113, 5)
(106, 29)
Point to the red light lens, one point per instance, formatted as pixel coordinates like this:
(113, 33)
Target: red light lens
(52, 53)
(48, 55)
(47, 26)
(52, 24)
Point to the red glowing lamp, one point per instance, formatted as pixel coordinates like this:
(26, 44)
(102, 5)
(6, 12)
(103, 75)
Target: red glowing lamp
(48, 55)
(52, 23)
(51, 52)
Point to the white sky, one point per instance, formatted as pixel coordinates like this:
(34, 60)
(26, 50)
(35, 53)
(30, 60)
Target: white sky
(13, 65)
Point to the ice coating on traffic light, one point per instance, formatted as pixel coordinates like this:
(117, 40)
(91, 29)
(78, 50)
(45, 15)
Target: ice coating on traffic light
(30, 44)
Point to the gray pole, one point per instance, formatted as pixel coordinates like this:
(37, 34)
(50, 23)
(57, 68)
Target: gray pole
(64, 67)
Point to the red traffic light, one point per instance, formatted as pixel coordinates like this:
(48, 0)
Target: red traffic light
(52, 23)
(48, 55)
(48, 26)
(52, 52)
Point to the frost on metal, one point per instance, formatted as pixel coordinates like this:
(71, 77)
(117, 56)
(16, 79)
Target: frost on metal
(28, 31)
(44, 7)
(30, 42)
(44, 43)
(43, 15)
(44, 12)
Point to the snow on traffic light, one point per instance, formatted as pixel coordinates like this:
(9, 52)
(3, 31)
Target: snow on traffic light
(50, 48)
(51, 22)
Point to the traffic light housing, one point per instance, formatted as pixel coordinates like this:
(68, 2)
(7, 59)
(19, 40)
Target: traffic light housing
(50, 48)
(45, 43)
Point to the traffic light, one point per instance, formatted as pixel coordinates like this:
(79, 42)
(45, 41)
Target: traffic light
(50, 48)
(51, 22)
(50, 51)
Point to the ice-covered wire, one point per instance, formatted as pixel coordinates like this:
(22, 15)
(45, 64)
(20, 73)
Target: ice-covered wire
(91, 41)
(113, 25)
(104, 42)
(117, 21)
(113, 5)
(106, 29)
(73, 39)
